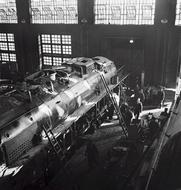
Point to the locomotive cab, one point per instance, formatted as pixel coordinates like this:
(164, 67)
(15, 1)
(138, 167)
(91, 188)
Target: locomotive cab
(103, 64)
(78, 71)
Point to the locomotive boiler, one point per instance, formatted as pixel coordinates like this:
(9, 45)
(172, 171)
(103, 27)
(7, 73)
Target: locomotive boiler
(66, 102)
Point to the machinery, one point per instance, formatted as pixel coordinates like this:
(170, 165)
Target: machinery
(42, 116)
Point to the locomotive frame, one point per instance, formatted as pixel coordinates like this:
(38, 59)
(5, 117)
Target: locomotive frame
(89, 105)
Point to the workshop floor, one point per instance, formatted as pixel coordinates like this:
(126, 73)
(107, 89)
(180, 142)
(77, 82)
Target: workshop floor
(108, 174)
(77, 174)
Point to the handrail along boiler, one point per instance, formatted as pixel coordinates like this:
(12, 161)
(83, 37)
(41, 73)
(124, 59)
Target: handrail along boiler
(67, 101)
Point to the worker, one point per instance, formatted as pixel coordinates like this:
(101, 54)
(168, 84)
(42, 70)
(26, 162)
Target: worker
(110, 111)
(92, 154)
(138, 108)
(163, 117)
(128, 116)
(141, 95)
(153, 127)
(178, 100)
(161, 97)
(165, 113)
(123, 108)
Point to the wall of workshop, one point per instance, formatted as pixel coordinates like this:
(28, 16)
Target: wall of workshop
(113, 42)
(155, 50)
(159, 45)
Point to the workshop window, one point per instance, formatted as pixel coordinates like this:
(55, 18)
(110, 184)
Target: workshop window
(124, 12)
(8, 62)
(54, 11)
(54, 49)
(7, 48)
(178, 13)
(8, 13)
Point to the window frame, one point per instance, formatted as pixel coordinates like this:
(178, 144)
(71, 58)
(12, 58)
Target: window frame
(52, 55)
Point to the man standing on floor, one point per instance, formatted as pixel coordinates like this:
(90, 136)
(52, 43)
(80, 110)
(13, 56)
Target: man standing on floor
(92, 154)
(138, 108)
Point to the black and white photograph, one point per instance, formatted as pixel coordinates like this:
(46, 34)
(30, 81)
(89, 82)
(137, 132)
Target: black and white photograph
(90, 94)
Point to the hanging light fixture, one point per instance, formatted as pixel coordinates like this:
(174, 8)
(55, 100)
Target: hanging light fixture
(131, 41)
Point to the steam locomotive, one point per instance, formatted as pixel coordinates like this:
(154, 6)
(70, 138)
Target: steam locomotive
(67, 101)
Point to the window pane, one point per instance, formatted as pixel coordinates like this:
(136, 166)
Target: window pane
(56, 49)
(67, 50)
(10, 37)
(46, 48)
(8, 13)
(124, 12)
(3, 46)
(178, 13)
(66, 59)
(46, 38)
(13, 57)
(5, 57)
(57, 61)
(56, 39)
(47, 60)
(3, 37)
(54, 11)
(11, 46)
(66, 39)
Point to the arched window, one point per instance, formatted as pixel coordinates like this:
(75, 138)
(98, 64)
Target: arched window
(8, 62)
(54, 11)
(124, 12)
(178, 13)
(8, 13)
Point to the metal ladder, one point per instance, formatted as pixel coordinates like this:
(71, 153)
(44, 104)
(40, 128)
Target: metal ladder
(56, 147)
(122, 95)
(116, 107)
(52, 139)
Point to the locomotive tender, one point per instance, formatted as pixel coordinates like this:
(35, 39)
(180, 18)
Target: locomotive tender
(69, 100)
